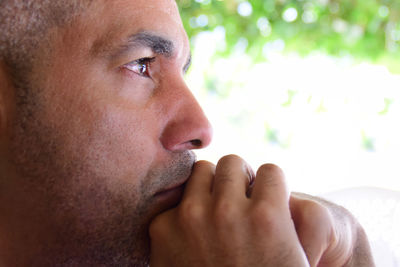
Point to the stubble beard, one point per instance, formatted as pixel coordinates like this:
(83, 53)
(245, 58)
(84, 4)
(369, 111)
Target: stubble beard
(92, 224)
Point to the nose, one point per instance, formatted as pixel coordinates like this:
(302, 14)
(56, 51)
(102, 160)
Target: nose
(187, 127)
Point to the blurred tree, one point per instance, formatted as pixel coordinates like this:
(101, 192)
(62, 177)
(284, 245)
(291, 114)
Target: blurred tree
(364, 29)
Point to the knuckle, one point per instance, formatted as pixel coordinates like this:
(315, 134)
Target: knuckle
(269, 169)
(321, 216)
(260, 213)
(264, 218)
(227, 167)
(224, 212)
(224, 178)
(203, 164)
(230, 160)
(191, 213)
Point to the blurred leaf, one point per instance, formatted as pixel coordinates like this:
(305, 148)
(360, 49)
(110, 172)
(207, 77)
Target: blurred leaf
(388, 103)
(368, 143)
(364, 29)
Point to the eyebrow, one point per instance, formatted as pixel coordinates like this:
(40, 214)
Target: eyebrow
(158, 44)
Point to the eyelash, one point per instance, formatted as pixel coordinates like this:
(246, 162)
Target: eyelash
(140, 66)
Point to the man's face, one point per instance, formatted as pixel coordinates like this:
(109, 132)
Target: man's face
(106, 132)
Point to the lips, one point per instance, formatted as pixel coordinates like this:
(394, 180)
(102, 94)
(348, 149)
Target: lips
(174, 178)
(171, 188)
(171, 196)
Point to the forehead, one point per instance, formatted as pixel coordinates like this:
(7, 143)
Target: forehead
(149, 11)
(107, 23)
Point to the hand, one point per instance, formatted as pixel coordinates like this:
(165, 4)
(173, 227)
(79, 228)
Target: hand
(329, 234)
(317, 232)
(216, 224)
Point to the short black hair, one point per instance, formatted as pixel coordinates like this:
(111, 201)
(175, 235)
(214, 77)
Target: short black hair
(24, 25)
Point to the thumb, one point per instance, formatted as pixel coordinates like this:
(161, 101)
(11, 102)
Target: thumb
(314, 227)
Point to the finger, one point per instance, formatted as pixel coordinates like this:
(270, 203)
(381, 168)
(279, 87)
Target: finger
(313, 226)
(252, 179)
(200, 182)
(270, 186)
(232, 177)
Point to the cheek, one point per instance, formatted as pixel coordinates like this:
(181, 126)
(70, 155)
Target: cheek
(132, 87)
(122, 144)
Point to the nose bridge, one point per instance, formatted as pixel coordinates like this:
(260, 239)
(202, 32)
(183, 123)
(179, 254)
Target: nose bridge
(187, 126)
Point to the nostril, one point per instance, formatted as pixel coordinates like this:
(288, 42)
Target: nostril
(196, 142)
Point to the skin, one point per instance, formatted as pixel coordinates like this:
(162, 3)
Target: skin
(99, 141)
(102, 146)
(219, 222)
(241, 230)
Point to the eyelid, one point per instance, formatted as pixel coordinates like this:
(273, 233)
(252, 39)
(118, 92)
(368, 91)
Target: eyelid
(141, 61)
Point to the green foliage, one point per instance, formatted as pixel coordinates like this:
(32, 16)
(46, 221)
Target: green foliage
(364, 29)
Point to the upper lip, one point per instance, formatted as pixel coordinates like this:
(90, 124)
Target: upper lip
(181, 180)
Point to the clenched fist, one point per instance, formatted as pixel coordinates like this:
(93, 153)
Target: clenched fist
(230, 217)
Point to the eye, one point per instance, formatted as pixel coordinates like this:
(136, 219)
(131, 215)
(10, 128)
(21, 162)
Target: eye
(140, 66)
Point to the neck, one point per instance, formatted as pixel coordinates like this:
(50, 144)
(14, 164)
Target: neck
(23, 223)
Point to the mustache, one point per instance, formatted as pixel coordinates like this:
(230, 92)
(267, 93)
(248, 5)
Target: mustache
(174, 171)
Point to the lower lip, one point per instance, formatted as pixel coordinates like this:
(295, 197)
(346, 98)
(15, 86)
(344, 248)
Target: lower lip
(171, 197)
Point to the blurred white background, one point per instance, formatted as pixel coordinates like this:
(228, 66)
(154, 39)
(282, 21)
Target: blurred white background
(332, 124)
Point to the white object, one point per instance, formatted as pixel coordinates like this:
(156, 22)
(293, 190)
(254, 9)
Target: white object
(378, 211)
